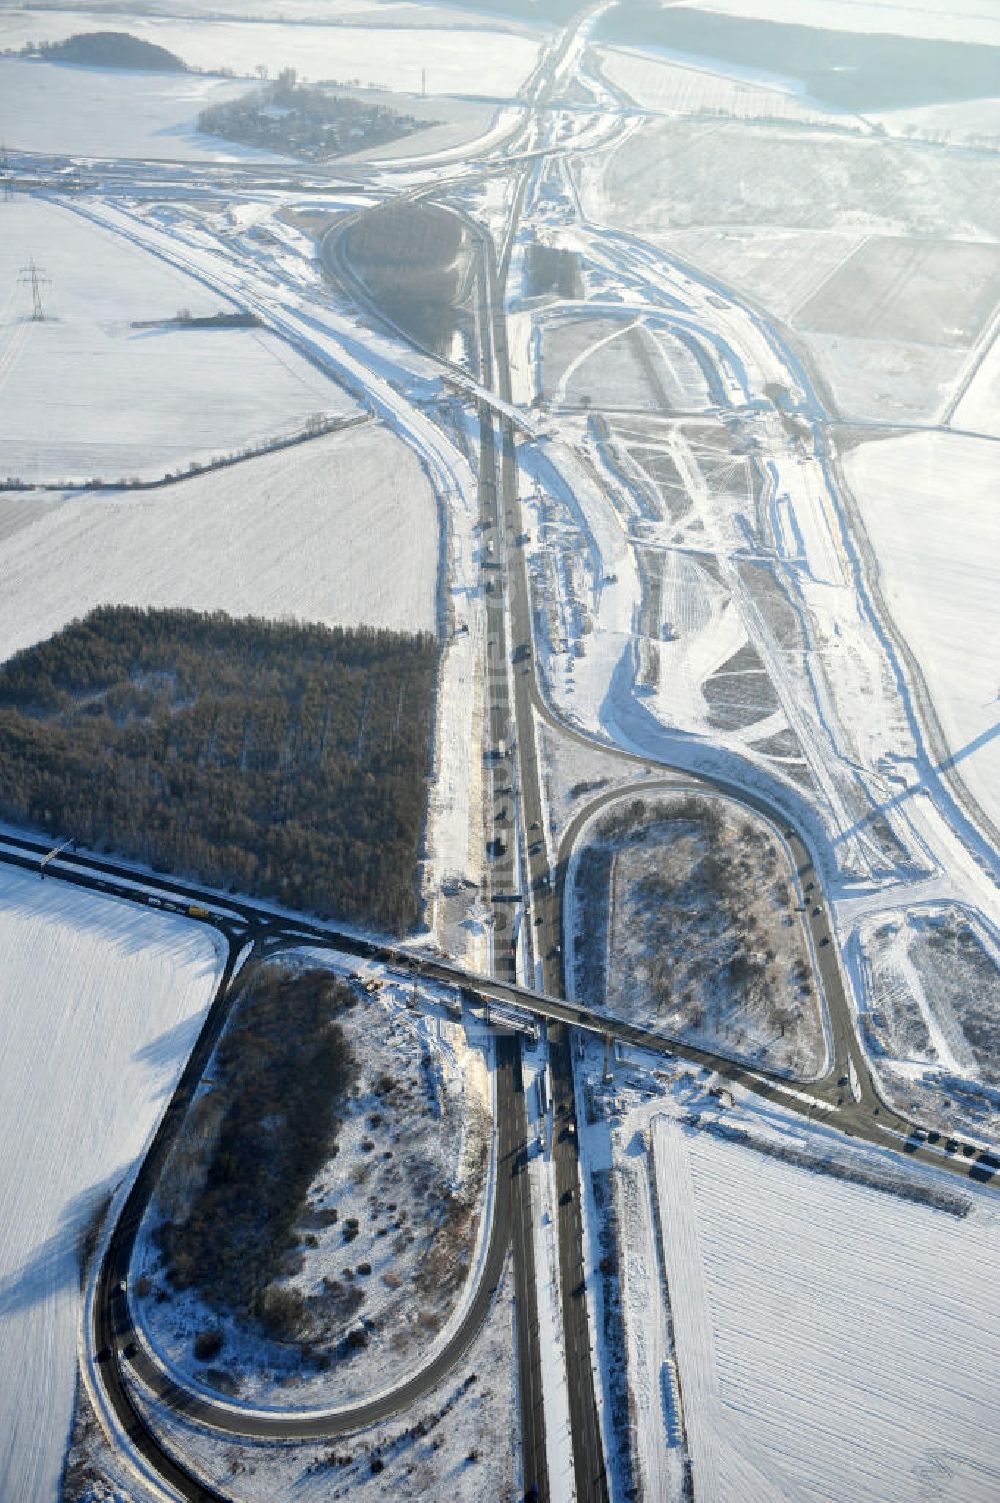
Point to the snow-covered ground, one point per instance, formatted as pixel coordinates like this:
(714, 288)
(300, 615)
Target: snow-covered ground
(928, 504)
(930, 1023)
(340, 529)
(52, 108)
(973, 21)
(101, 1005)
(978, 411)
(457, 59)
(672, 87)
(412, 1171)
(461, 1441)
(963, 122)
(834, 1341)
(700, 940)
(84, 394)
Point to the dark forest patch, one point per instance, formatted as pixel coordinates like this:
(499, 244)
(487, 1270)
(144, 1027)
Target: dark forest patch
(111, 49)
(412, 258)
(308, 122)
(277, 759)
(548, 270)
(253, 1142)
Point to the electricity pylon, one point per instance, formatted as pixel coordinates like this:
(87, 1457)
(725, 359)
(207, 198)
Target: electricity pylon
(36, 276)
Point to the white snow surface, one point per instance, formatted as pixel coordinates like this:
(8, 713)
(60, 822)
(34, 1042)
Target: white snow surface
(457, 59)
(669, 85)
(928, 503)
(83, 394)
(341, 530)
(979, 409)
(50, 107)
(101, 1006)
(835, 1341)
(970, 21)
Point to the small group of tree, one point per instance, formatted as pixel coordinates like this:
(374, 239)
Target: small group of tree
(282, 1070)
(548, 271)
(307, 122)
(273, 758)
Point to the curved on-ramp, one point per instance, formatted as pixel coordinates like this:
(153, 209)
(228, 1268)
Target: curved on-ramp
(119, 1354)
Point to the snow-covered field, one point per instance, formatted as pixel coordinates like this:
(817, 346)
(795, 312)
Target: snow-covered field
(87, 112)
(101, 1005)
(788, 214)
(928, 504)
(780, 268)
(979, 409)
(968, 122)
(885, 381)
(52, 108)
(341, 529)
(84, 394)
(973, 21)
(834, 1341)
(460, 1442)
(457, 60)
(674, 88)
(734, 174)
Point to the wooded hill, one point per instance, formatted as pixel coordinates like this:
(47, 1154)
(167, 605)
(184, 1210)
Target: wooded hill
(276, 759)
(112, 49)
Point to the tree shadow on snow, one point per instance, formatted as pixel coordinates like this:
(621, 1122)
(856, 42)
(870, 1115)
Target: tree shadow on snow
(55, 1263)
(171, 1048)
